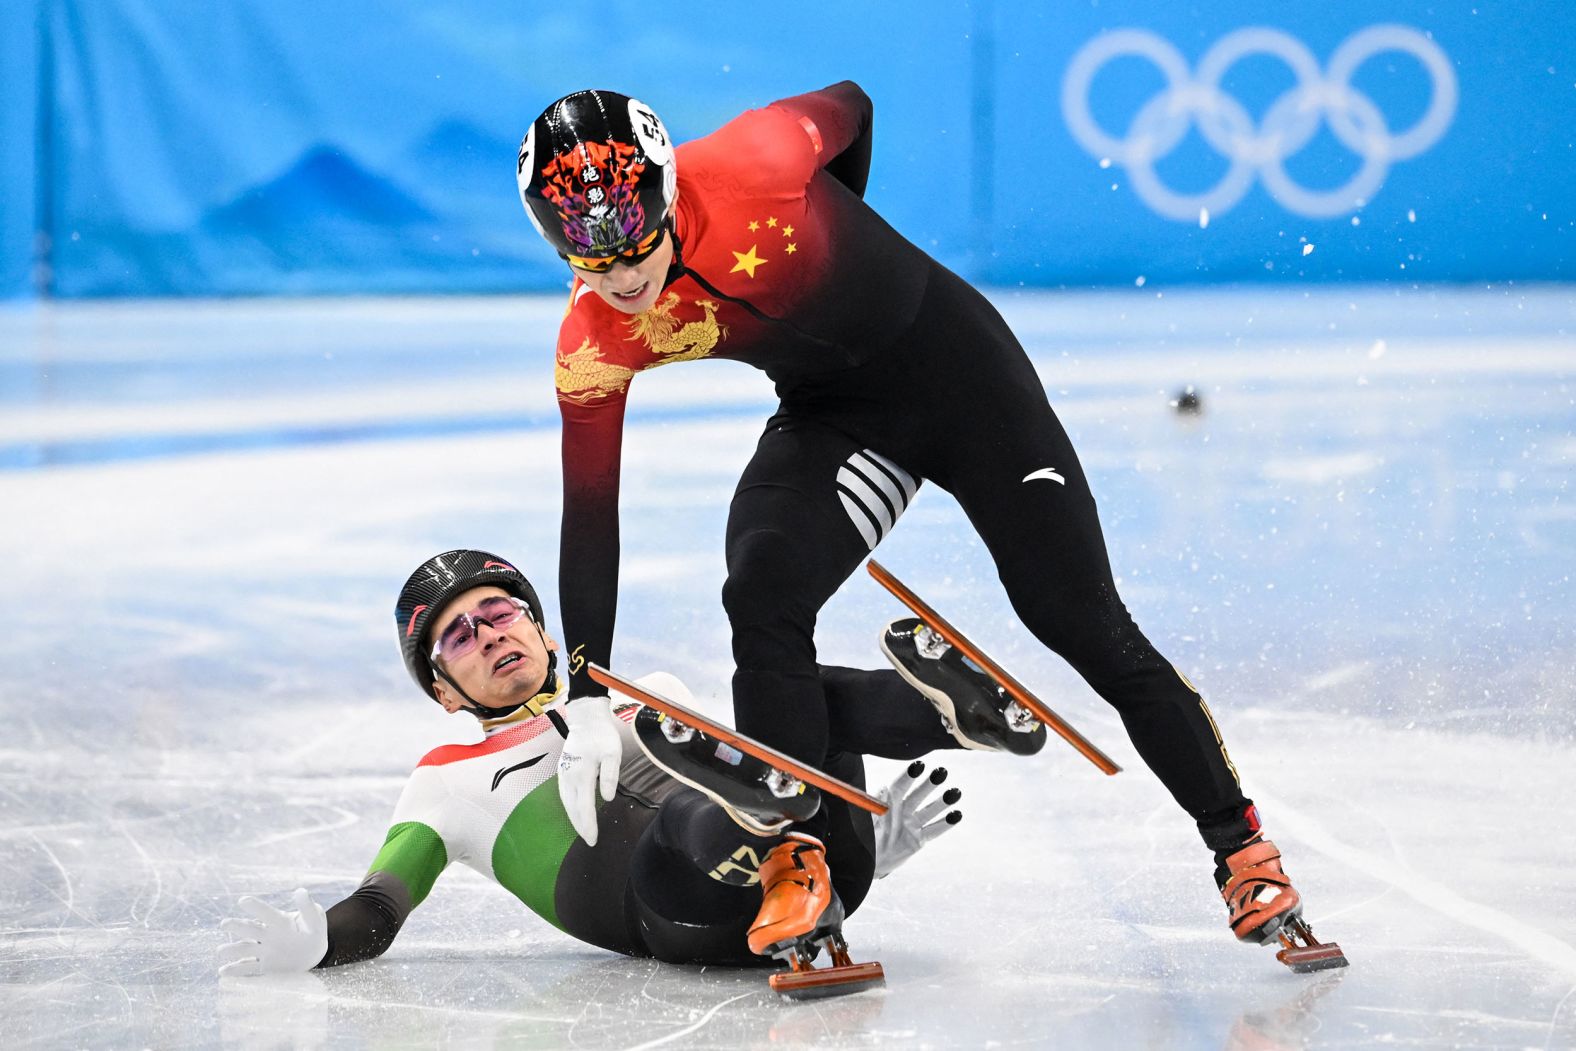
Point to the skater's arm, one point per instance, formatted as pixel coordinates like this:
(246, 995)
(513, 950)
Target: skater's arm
(363, 926)
(838, 122)
(269, 940)
(589, 538)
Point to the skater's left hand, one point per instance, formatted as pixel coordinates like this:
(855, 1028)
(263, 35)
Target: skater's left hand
(908, 825)
(589, 761)
(274, 941)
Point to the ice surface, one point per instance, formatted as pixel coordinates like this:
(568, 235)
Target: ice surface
(1363, 559)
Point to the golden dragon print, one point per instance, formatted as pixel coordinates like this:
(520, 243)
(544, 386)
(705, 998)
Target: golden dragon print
(671, 341)
(583, 377)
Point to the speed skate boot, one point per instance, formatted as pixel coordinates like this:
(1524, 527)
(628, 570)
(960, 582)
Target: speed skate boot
(797, 900)
(1265, 908)
(977, 712)
(1258, 893)
(759, 797)
(800, 915)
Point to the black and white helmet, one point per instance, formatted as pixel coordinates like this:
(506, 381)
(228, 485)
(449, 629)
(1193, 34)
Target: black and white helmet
(435, 582)
(597, 174)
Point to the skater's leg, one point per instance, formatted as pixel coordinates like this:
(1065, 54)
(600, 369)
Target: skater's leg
(1049, 550)
(694, 876)
(787, 864)
(850, 835)
(812, 886)
(697, 882)
(877, 713)
(1013, 469)
(802, 520)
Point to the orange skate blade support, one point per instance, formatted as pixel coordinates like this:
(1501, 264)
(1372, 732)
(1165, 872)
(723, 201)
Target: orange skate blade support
(1304, 953)
(812, 983)
(1014, 688)
(771, 756)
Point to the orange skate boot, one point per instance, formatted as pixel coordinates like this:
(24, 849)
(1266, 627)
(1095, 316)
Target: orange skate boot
(801, 914)
(1265, 907)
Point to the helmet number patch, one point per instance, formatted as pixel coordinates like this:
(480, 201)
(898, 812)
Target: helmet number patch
(650, 133)
(523, 173)
(522, 170)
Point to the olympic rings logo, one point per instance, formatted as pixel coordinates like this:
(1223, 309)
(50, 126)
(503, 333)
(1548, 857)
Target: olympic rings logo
(1288, 125)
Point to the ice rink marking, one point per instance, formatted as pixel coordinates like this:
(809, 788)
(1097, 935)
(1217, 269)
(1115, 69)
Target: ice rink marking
(1424, 891)
(346, 820)
(693, 1026)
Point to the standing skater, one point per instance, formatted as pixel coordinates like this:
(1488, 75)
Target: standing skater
(754, 243)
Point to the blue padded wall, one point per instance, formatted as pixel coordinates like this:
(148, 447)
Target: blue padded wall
(361, 146)
(20, 79)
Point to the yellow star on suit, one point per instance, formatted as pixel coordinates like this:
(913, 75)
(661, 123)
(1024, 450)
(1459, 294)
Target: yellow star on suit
(747, 261)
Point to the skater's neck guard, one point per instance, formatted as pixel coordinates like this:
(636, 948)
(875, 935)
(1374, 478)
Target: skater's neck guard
(552, 690)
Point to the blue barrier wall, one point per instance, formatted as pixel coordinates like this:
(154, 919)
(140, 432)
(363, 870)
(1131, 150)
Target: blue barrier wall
(368, 145)
(1443, 151)
(19, 164)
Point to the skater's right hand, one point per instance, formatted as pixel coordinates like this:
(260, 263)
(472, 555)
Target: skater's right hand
(274, 941)
(908, 825)
(589, 761)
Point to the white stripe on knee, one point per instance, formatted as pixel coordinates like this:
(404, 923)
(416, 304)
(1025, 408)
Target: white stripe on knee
(874, 492)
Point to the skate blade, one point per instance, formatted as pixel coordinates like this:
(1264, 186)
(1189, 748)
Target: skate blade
(816, 982)
(1304, 953)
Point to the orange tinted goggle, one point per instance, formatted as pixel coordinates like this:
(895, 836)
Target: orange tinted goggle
(634, 256)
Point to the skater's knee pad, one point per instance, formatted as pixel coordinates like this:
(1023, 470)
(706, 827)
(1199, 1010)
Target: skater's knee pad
(774, 577)
(672, 885)
(757, 559)
(684, 915)
(697, 829)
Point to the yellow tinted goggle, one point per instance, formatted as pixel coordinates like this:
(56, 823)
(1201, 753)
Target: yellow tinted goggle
(634, 256)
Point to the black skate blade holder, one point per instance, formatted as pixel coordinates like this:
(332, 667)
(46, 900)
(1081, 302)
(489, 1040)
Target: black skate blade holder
(1015, 689)
(786, 765)
(779, 783)
(1304, 953)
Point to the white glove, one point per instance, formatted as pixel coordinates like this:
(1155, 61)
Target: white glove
(274, 941)
(589, 760)
(907, 826)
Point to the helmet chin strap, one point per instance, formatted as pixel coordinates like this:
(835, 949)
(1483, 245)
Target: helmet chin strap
(548, 691)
